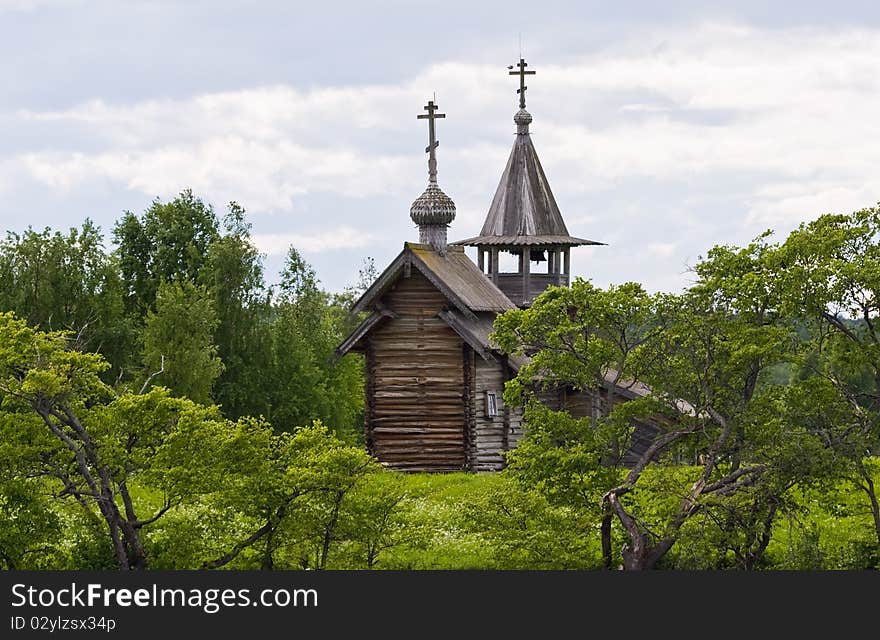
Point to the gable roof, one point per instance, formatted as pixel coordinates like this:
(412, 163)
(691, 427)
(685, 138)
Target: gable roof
(476, 331)
(524, 210)
(363, 329)
(454, 274)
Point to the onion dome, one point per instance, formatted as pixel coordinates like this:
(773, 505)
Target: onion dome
(432, 207)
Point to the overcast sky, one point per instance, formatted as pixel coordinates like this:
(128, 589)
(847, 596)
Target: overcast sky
(663, 130)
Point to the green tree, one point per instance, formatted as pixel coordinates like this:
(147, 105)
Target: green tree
(332, 478)
(377, 517)
(67, 281)
(831, 273)
(593, 351)
(70, 428)
(178, 341)
(233, 274)
(309, 383)
(291, 487)
(170, 241)
(702, 357)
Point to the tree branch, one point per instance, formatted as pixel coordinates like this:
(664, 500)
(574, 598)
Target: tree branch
(237, 549)
(153, 375)
(142, 523)
(723, 486)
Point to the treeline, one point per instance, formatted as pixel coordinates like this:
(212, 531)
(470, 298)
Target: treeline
(161, 396)
(182, 302)
(161, 407)
(764, 381)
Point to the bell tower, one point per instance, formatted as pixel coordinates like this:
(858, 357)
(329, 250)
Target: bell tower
(524, 220)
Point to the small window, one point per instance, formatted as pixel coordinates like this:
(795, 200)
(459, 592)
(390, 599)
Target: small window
(491, 404)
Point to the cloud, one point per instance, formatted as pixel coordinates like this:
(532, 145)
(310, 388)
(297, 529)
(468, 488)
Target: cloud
(31, 5)
(703, 134)
(661, 249)
(718, 99)
(267, 175)
(793, 103)
(345, 237)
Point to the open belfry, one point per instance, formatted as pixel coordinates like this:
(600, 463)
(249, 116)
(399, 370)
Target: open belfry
(434, 380)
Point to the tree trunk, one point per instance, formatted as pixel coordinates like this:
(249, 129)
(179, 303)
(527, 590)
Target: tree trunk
(328, 531)
(127, 545)
(268, 559)
(607, 558)
(870, 489)
(753, 555)
(642, 556)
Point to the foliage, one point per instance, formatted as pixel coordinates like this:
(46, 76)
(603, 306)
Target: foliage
(178, 341)
(67, 281)
(309, 384)
(377, 518)
(233, 275)
(169, 242)
(525, 531)
(761, 382)
(703, 354)
(62, 422)
(29, 529)
(832, 275)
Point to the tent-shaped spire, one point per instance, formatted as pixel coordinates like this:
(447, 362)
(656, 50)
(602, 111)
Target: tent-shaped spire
(524, 211)
(524, 220)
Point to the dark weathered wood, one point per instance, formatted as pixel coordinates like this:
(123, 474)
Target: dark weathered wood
(454, 274)
(468, 363)
(353, 341)
(369, 404)
(489, 432)
(522, 290)
(418, 380)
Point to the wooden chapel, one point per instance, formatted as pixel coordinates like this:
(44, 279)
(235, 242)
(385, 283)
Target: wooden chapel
(434, 381)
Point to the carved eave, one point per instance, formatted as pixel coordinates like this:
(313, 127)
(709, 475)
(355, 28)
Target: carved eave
(352, 342)
(471, 333)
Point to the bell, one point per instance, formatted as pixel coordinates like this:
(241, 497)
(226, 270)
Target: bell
(537, 255)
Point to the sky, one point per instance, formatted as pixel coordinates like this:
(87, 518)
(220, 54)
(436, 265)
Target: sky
(663, 128)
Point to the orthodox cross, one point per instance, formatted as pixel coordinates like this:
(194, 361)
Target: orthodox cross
(431, 108)
(522, 73)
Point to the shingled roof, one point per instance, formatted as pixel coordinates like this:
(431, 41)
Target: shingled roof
(474, 297)
(454, 274)
(524, 211)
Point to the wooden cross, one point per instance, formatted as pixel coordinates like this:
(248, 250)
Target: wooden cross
(522, 73)
(431, 108)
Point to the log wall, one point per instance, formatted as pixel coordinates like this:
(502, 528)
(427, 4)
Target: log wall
(582, 404)
(416, 414)
(491, 435)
